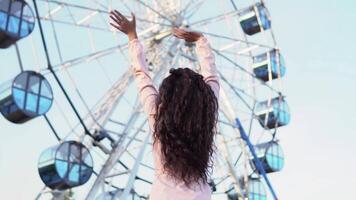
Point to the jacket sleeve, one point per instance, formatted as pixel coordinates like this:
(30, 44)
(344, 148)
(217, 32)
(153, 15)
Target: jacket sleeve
(207, 62)
(147, 91)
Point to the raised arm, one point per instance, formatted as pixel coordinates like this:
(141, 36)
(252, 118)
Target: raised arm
(207, 62)
(205, 56)
(146, 89)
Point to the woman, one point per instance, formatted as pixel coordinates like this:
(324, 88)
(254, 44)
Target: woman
(182, 115)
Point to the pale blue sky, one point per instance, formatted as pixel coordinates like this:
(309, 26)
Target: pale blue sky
(318, 42)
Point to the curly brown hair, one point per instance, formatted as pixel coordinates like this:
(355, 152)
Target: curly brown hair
(185, 125)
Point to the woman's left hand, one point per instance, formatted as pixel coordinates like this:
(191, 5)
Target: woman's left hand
(121, 23)
(189, 36)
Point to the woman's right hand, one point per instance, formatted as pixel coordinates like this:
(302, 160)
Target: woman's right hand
(121, 23)
(189, 36)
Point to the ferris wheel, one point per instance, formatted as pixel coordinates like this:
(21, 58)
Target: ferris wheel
(75, 73)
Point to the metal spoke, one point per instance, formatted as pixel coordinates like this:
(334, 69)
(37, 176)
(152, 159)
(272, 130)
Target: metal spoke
(214, 19)
(100, 11)
(194, 9)
(236, 39)
(153, 10)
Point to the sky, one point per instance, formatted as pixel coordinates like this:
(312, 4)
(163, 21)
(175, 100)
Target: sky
(318, 44)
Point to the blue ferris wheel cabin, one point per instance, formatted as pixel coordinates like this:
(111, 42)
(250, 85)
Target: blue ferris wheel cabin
(269, 65)
(273, 113)
(31, 96)
(65, 166)
(255, 19)
(271, 156)
(16, 21)
(255, 190)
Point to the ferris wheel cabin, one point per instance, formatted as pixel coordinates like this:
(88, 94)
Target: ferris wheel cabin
(255, 19)
(255, 191)
(65, 166)
(271, 155)
(16, 21)
(31, 96)
(273, 113)
(269, 64)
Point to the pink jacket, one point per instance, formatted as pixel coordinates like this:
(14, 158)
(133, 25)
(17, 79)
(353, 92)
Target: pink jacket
(163, 187)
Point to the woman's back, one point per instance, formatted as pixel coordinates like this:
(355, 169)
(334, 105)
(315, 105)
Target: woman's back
(165, 188)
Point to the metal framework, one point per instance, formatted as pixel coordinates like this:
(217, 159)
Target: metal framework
(98, 79)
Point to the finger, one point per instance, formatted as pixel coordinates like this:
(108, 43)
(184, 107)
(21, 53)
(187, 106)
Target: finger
(116, 26)
(179, 30)
(117, 22)
(116, 19)
(121, 16)
(185, 35)
(183, 31)
(180, 37)
(114, 13)
(177, 34)
(133, 17)
(175, 31)
(116, 16)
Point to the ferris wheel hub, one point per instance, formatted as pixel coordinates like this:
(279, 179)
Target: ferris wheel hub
(179, 21)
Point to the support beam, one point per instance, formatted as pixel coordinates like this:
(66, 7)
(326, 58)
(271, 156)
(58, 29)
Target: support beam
(259, 165)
